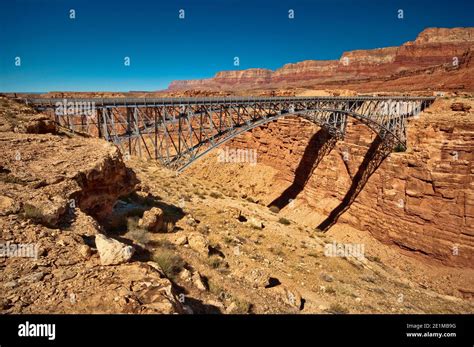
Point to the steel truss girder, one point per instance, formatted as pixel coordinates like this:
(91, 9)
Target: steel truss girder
(178, 133)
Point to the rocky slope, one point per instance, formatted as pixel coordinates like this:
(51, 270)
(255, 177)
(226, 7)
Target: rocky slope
(54, 187)
(445, 50)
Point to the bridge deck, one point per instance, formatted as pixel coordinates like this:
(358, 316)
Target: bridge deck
(178, 131)
(133, 102)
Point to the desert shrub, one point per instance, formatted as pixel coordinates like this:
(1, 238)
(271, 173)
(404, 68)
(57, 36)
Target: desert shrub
(374, 259)
(230, 241)
(168, 226)
(32, 212)
(215, 195)
(136, 233)
(163, 244)
(337, 308)
(276, 251)
(399, 148)
(169, 262)
(274, 209)
(250, 199)
(215, 262)
(284, 221)
(37, 215)
(242, 306)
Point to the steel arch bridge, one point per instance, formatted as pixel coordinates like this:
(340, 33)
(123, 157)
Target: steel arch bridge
(178, 131)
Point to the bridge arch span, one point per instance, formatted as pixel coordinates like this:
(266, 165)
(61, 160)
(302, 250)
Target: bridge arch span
(177, 131)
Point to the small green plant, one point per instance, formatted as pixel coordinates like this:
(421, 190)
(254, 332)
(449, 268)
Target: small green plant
(32, 212)
(277, 251)
(274, 209)
(215, 262)
(136, 233)
(170, 263)
(284, 221)
(399, 148)
(215, 288)
(250, 199)
(242, 307)
(230, 241)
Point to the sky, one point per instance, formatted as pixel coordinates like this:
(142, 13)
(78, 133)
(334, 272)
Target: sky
(88, 52)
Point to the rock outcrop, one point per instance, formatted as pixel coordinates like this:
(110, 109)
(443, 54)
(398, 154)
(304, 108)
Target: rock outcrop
(50, 175)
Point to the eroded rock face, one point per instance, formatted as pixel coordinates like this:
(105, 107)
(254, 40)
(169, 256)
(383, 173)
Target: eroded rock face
(103, 184)
(112, 252)
(434, 47)
(48, 172)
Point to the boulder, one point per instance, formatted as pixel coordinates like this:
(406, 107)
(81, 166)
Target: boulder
(198, 281)
(259, 278)
(293, 298)
(185, 275)
(181, 240)
(152, 220)
(255, 223)
(40, 124)
(199, 243)
(7, 205)
(112, 252)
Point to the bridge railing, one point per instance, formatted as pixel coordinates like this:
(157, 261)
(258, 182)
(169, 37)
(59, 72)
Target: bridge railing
(149, 102)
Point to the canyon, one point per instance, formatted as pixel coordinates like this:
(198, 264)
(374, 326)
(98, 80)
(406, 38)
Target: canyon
(118, 235)
(122, 234)
(419, 200)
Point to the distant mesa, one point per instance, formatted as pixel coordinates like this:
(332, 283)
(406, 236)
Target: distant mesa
(435, 51)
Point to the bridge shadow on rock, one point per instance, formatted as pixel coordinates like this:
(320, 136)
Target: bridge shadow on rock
(320, 145)
(378, 151)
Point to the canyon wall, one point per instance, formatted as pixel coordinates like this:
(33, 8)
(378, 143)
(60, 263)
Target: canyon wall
(434, 47)
(421, 200)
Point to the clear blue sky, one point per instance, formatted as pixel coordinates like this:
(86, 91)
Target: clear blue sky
(87, 53)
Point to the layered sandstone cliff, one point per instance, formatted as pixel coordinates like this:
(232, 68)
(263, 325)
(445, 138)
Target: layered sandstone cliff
(434, 47)
(420, 200)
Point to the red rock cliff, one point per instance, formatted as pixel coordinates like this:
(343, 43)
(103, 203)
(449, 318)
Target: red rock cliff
(421, 200)
(433, 47)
